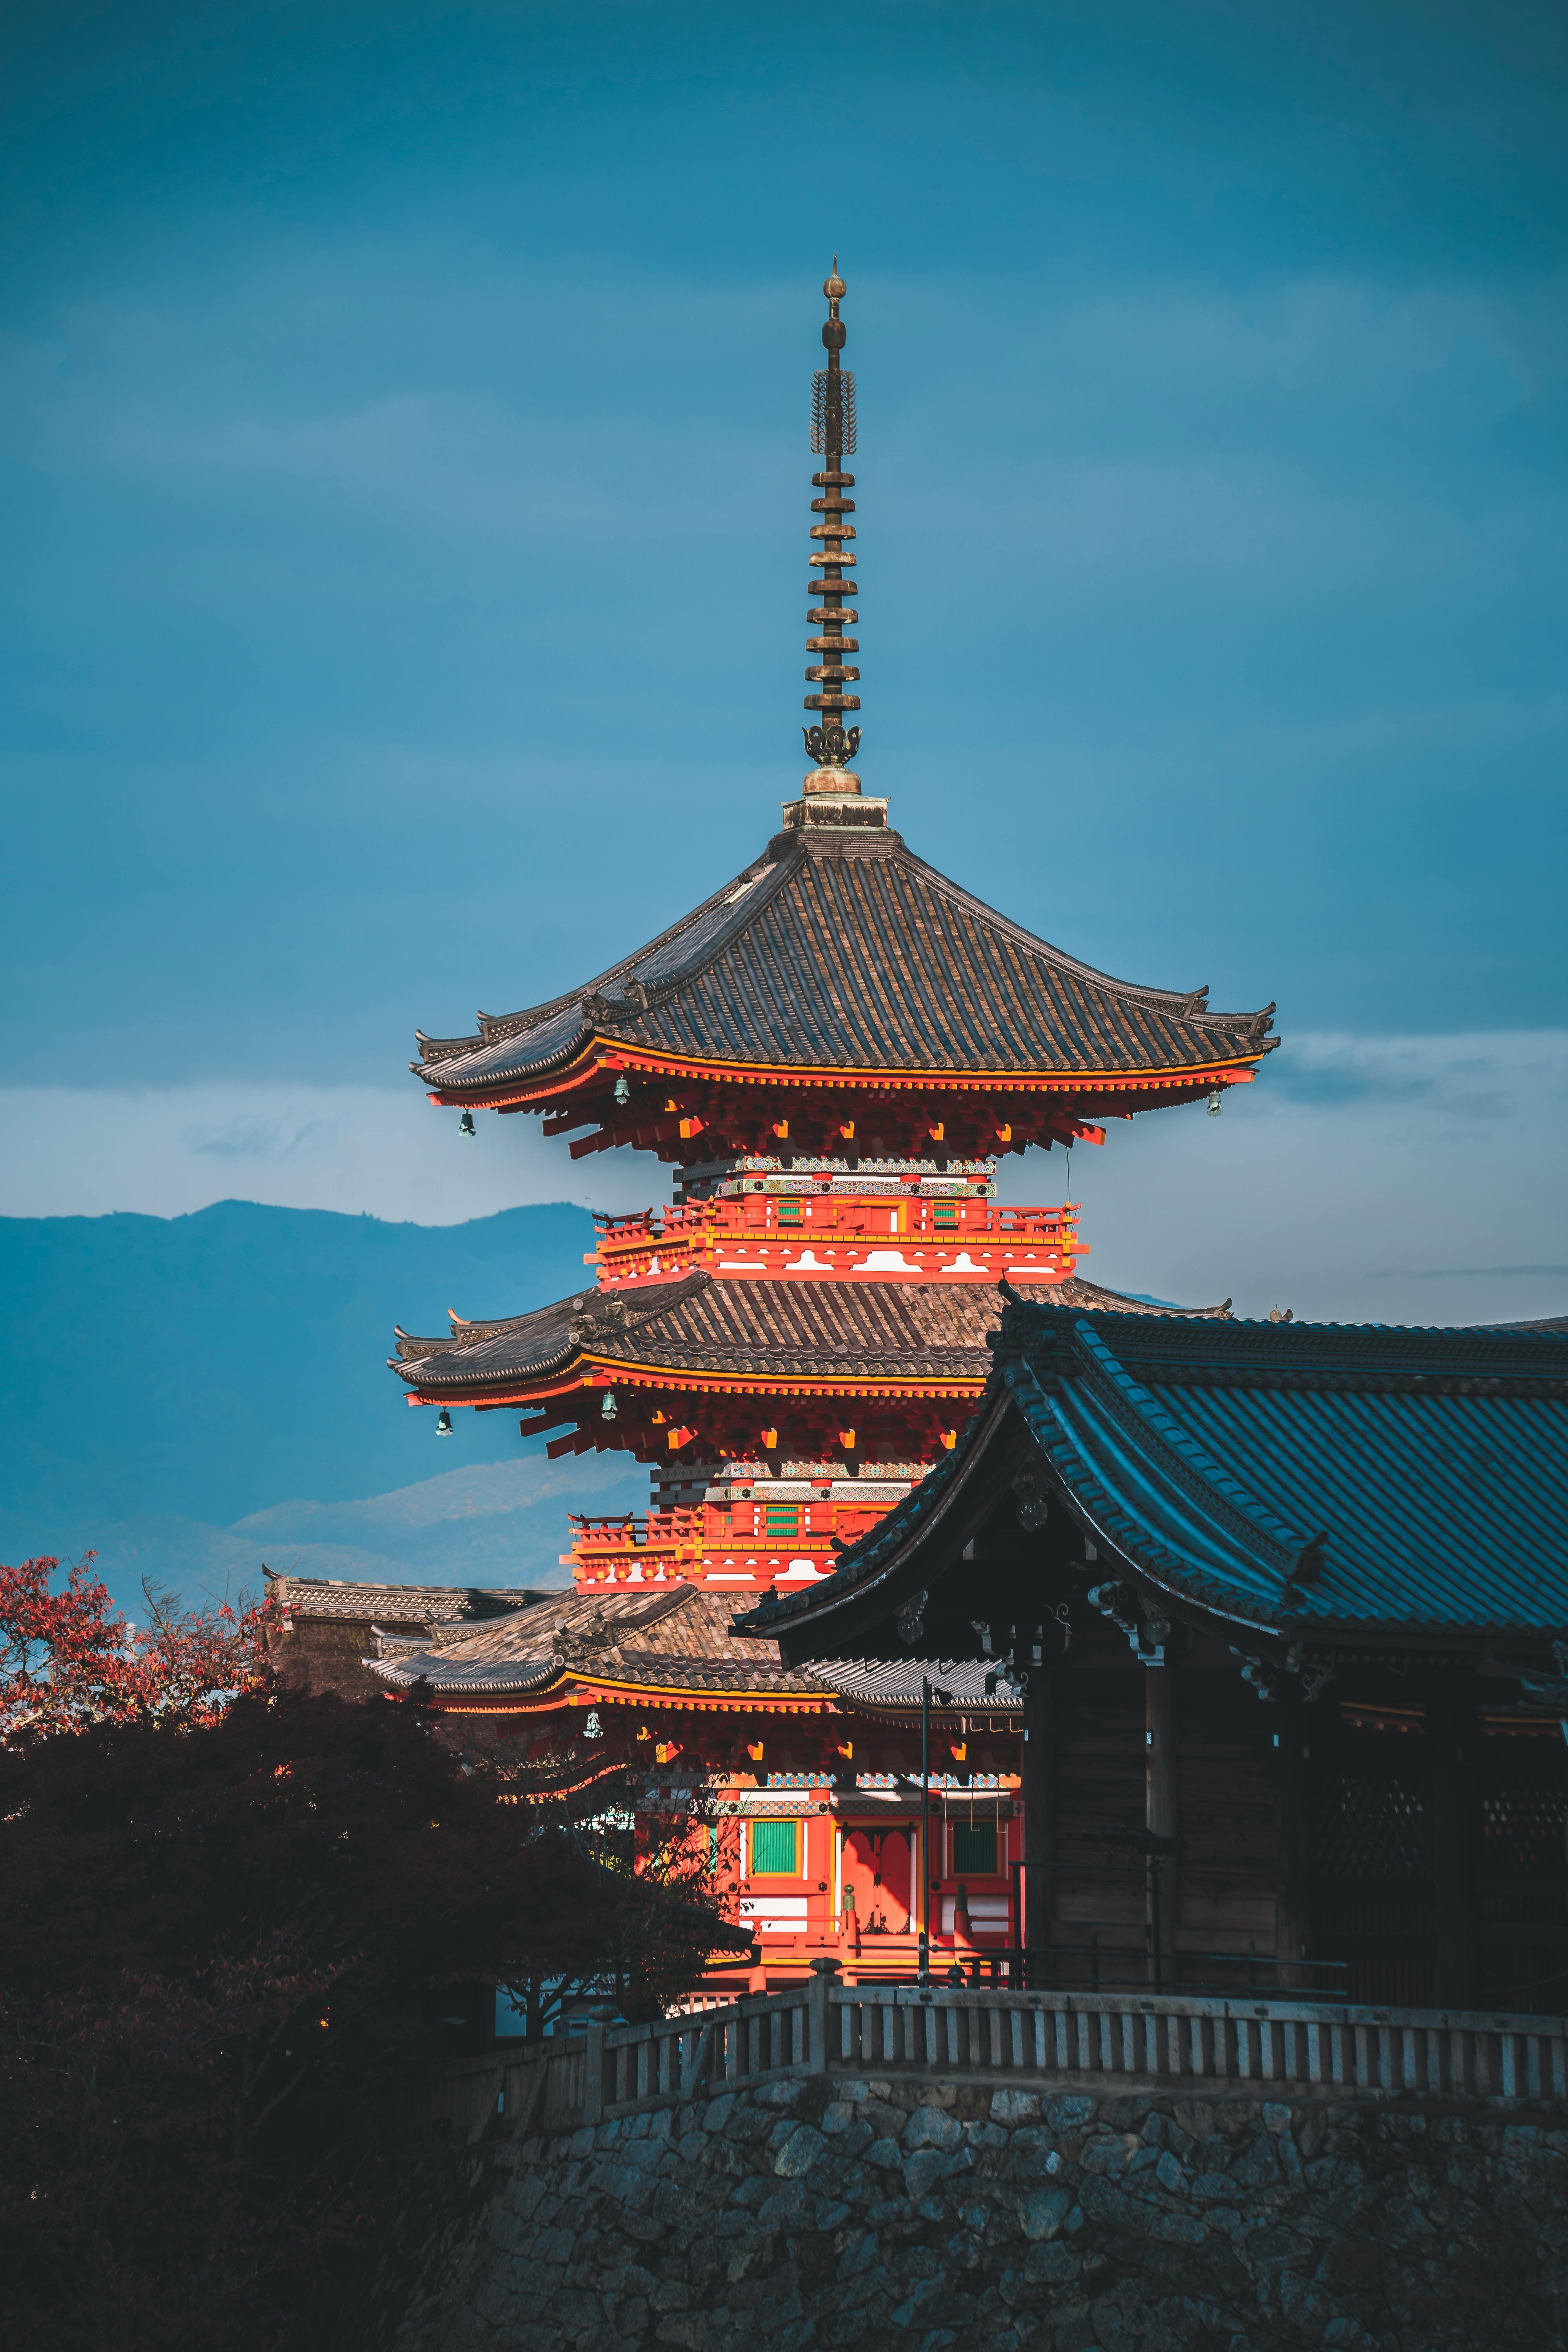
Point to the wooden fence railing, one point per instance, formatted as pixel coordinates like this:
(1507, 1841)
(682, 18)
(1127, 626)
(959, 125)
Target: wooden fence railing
(977, 2033)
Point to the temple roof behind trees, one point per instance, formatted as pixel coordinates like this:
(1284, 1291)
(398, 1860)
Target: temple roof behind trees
(1294, 1477)
(815, 1331)
(849, 954)
(423, 1604)
(680, 1639)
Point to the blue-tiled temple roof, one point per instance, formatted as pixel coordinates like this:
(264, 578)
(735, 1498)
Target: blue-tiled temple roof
(1296, 1477)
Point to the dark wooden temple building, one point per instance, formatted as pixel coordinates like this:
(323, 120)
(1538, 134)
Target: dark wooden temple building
(1289, 1604)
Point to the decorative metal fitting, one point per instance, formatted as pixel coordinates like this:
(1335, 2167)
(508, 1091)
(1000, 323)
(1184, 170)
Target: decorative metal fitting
(833, 434)
(834, 421)
(832, 746)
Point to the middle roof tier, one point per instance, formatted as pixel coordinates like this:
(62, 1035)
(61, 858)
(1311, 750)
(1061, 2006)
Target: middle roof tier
(822, 1369)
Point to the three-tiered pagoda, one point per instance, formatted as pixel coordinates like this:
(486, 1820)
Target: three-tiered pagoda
(831, 1053)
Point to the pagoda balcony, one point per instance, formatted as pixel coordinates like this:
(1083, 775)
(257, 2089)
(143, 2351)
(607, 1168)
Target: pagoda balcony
(743, 1545)
(821, 1237)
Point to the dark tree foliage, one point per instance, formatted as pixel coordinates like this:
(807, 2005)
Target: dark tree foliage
(227, 1955)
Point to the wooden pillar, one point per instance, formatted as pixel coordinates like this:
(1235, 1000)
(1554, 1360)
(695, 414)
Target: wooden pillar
(1039, 1778)
(1162, 1812)
(1452, 1737)
(1292, 1836)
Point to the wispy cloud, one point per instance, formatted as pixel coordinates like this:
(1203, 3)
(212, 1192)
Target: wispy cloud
(259, 1140)
(1456, 1273)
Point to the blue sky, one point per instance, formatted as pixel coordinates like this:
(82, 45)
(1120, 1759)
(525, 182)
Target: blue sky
(402, 416)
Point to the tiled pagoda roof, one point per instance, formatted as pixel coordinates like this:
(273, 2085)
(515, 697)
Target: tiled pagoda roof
(1301, 1479)
(847, 957)
(821, 1333)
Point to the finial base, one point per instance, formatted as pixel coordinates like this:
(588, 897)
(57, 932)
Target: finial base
(834, 801)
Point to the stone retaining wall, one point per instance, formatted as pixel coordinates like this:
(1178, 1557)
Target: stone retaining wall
(811, 2213)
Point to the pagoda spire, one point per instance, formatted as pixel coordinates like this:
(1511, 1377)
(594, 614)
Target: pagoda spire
(828, 742)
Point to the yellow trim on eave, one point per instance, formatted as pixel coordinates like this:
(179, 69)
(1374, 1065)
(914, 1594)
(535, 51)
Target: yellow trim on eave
(609, 1053)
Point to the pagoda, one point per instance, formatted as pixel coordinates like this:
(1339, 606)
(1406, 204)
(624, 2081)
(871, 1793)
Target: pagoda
(831, 1053)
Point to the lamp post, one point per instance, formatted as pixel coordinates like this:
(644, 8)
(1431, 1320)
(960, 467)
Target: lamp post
(925, 1829)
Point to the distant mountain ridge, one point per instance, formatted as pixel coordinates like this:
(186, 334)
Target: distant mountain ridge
(165, 1382)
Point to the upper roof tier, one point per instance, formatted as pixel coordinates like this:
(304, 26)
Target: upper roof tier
(839, 959)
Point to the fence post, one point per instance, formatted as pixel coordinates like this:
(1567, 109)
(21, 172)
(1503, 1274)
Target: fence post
(819, 2008)
(594, 2066)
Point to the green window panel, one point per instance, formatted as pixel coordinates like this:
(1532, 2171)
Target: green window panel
(773, 1847)
(782, 1518)
(974, 1850)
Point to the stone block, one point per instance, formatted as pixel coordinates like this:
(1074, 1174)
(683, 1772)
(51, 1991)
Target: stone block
(933, 2127)
(1032, 2149)
(778, 2094)
(798, 2152)
(1257, 2167)
(850, 2182)
(626, 2278)
(1175, 2229)
(1043, 2212)
(785, 2209)
(1210, 2188)
(924, 2168)
(1009, 2107)
(688, 2329)
(1067, 2111)
(717, 2112)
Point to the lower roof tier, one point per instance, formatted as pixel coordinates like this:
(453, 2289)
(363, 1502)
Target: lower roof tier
(735, 1366)
(677, 1648)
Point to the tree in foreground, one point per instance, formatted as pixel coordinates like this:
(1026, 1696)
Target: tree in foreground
(68, 1658)
(231, 1929)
